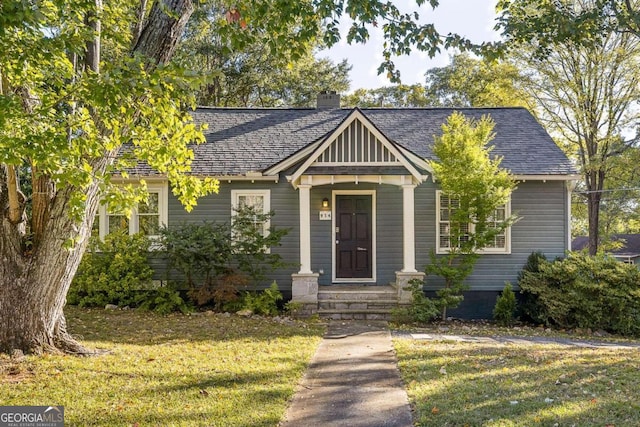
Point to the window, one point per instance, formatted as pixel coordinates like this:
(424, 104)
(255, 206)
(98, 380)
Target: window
(447, 206)
(146, 218)
(260, 200)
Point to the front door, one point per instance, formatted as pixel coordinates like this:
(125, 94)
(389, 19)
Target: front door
(353, 236)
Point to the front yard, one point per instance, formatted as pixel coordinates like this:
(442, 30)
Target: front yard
(204, 370)
(492, 384)
(218, 370)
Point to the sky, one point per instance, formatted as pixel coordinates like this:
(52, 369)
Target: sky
(470, 18)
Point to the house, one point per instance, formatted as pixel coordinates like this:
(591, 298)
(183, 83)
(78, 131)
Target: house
(355, 188)
(627, 250)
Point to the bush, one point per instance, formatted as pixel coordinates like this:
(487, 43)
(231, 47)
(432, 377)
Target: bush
(163, 300)
(112, 271)
(218, 261)
(421, 310)
(581, 291)
(530, 309)
(264, 302)
(505, 308)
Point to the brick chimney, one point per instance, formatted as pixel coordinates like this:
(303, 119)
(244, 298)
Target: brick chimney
(328, 99)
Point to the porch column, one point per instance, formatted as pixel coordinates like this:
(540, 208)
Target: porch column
(408, 229)
(304, 192)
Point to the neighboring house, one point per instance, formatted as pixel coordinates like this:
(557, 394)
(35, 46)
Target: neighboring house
(628, 250)
(355, 189)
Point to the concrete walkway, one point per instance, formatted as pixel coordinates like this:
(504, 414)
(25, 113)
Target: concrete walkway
(353, 380)
(519, 340)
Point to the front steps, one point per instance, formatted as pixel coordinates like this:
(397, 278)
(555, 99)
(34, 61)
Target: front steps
(357, 302)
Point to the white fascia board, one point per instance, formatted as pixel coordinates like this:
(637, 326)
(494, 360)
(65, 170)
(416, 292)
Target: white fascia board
(292, 160)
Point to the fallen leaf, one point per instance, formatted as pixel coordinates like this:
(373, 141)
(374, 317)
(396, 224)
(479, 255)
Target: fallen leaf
(443, 370)
(435, 410)
(204, 392)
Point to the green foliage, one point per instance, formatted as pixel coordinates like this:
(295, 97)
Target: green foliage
(470, 82)
(389, 96)
(264, 302)
(582, 291)
(112, 272)
(454, 270)
(473, 179)
(293, 308)
(421, 310)
(199, 252)
(218, 260)
(505, 308)
(163, 300)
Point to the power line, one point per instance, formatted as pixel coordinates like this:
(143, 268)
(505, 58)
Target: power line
(607, 190)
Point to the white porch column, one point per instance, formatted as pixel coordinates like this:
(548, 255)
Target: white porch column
(304, 192)
(408, 229)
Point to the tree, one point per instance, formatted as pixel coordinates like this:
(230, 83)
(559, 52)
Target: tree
(87, 91)
(585, 97)
(475, 187)
(543, 23)
(252, 75)
(67, 115)
(470, 82)
(389, 96)
(619, 207)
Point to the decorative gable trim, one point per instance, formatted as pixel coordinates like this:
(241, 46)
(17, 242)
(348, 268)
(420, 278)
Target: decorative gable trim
(356, 142)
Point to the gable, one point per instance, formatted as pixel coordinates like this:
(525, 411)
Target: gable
(358, 147)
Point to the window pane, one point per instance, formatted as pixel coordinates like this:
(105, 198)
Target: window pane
(149, 224)
(254, 201)
(118, 223)
(151, 206)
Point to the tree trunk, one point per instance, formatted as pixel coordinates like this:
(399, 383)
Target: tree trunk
(593, 209)
(34, 286)
(34, 283)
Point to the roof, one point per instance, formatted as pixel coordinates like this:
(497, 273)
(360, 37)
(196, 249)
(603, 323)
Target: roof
(630, 244)
(243, 140)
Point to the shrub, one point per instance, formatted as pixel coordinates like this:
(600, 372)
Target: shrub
(421, 310)
(505, 308)
(163, 300)
(530, 309)
(112, 271)
(586, 292)
(218, 261)
(263, 302)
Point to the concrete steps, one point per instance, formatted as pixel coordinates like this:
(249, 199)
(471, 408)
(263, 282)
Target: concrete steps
(357, 302)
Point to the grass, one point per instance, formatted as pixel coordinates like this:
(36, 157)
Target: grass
(472, 384)
(208, 370)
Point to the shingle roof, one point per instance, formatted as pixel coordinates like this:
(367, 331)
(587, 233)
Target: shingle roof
(242, 140)
(630, 244)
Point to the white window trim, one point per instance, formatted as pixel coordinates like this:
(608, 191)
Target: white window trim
(507, 247)
(266, 197)
(163, 210)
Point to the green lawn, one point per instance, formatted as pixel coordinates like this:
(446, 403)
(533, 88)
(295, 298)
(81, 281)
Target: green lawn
(207, 370)
(471, 384)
